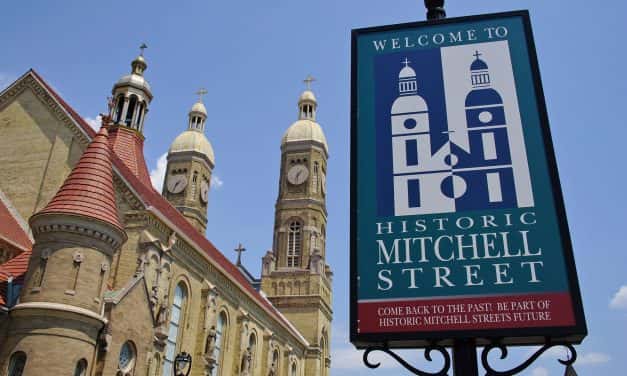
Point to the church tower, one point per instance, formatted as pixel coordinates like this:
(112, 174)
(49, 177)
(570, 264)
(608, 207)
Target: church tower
(190, 163)
(295, 276)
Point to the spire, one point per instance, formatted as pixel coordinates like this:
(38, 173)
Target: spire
(139, 64)
(307, 103)
(88, 190)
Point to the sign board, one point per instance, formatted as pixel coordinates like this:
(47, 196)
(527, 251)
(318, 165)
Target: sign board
(458, 228)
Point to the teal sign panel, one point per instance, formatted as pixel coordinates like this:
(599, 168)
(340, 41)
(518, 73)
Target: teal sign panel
(458, 227)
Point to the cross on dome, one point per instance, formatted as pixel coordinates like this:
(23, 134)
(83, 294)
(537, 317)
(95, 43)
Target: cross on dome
(202, 91)
(477, 54)
(308, 81)
(239, 251)
(406, 62)
(142, 48)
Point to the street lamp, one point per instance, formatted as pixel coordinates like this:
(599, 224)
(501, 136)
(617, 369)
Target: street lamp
(182, 361)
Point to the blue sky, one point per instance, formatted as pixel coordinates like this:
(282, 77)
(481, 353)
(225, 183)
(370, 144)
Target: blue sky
(252, 57)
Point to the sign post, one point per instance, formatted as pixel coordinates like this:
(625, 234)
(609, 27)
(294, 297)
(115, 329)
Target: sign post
(459, 235)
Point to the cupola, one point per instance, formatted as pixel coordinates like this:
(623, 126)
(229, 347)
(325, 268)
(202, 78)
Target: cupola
(131, 96)
(307, 103)
(305, 129)
(193, 139)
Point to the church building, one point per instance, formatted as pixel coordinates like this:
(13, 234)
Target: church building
(102, 275)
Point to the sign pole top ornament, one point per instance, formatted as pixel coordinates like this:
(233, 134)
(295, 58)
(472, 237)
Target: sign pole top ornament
(435, 9)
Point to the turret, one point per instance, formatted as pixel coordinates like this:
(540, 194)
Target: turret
(76, 236)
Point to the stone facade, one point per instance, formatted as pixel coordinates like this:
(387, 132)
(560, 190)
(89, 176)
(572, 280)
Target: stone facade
(109, 305)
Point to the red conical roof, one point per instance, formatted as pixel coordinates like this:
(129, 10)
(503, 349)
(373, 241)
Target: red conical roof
(88, 190)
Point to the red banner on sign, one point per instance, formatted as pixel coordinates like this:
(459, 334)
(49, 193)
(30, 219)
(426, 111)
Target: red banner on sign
(455, 313)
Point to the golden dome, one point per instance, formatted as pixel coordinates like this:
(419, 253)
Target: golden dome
(194, 141)
(305, 131)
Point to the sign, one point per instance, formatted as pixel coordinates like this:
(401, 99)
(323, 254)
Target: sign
(458, 228)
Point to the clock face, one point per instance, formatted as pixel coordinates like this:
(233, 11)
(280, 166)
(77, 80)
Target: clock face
(176, 183)
(127, 356)
(204, 191)
(297, 174)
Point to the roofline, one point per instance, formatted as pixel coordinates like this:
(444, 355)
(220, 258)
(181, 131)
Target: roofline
(215, 264)
(90, 133)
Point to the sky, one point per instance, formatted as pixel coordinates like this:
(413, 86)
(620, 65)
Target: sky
(252, 56)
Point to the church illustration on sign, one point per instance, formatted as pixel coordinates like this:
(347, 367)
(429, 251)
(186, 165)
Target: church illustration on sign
(476, 173)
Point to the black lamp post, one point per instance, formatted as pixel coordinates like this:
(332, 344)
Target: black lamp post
(181, 362)
(435, 9)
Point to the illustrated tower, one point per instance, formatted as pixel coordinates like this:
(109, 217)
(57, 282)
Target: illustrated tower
(412, 150)
(295, 276)
(59, 315)
(491, 185)
(188, 173)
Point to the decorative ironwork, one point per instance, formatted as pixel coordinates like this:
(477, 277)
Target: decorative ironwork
(492, 372)
(416, 371)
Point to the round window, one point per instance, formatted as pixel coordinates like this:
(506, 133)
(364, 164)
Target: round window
(127, 356)
(485, 117)
(410, 123)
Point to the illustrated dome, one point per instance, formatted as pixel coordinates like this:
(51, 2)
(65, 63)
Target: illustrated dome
(193, 141)
(407, 72)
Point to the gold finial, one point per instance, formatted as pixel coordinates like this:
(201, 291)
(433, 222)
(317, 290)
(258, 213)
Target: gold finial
(308, 81)
(142, 48)
(202, 91)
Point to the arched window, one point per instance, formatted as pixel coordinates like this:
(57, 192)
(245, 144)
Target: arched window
(81, 368)
(118, 109)
(248, 360)
(293, 370)
(315, 177)
(221, 328)
(140, 112)
(127, 358)
(194, 185)
(294, 241)
(176, 321)
(274, 367)
(132, 103)
(17, 363)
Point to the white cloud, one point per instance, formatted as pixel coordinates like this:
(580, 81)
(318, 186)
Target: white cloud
(619, 301)
(6, 80)
(592, 359)
(216, 182)
(157, 174)
(540, 371)
(94, 123)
